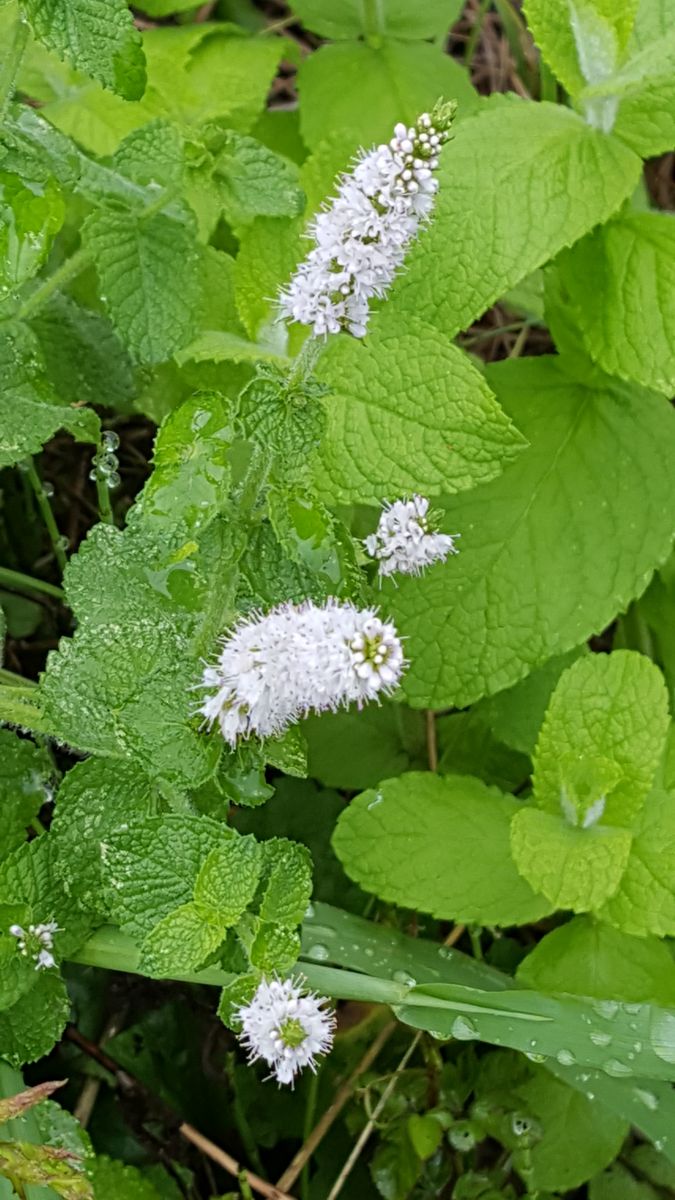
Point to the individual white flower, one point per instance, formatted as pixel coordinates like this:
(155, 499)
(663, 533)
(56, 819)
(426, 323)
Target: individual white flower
(286, 1027)
(37, 943)
(404, 541)
(276, 668)
(362, 236)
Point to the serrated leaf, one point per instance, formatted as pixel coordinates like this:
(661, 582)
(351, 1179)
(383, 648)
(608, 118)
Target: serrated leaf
(573, 867)
(29, 1029)
(253, 181)
(148, 272)
(228, 880)
(97, 36)
(31, 214)
(646, 116)
(24, 787)
(30, 413)
(645, 900)
(628, 320)
(573, 35)
(590, 958)
(152, 867)
(95, 798)
(366, 90)
(407, 410)
(287, 882)
(440, 845)
(275, 948)
(28, 876)
(611, 707)
(83, 356)
(181, 941)
(152, 155)
(503, 207)
(530, 528)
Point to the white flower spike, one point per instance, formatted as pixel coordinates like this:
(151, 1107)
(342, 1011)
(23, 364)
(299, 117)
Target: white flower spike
(286, 1027)
(404, 541)
(363, 235)
(276, 668)
(37, 942)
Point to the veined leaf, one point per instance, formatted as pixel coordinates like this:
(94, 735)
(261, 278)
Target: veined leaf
(96, 36)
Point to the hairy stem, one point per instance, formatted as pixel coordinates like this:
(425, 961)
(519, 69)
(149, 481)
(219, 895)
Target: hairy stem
(68, 270)
(46, 514)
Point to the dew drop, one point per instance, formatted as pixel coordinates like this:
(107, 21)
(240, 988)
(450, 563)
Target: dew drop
(110, 439)
(319, 952)
(599, 1038)
(113, 480)
(309, 911)
(48, 489)
(463, 1029)
(616, 1069)
(565, 1058)
(606, 1008)
(662, 1036)
(404, 977)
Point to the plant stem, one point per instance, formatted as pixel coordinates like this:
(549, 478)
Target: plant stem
(11, 64)
(14, 680)
(254, 480)
(372, 19)
(310, 1112)
(103, 496)
(46, 513)
(17, 581)
(68, 270)
(241, 1120)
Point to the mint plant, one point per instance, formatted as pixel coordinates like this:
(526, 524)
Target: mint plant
(336, 595)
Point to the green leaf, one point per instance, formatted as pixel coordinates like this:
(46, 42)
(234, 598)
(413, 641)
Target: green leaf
(228, 880)
(253, 181)
(153, 865)
(24, 787)
(589, 958)
(354, 86)
(617, 1183)
(574, 868)
(28, 876)
(631, 257)
(95, 798)
(97, 36)
(515, 715)
(581, 38)
(287, 882)
(82, 354)
(356, 749)
(645, 901)
(29, 1029)
(31, 214)
(440, 845)
(397, 18)
(30, 413)
(181, 941)
(646, 116)
(275, 948)
(148, 272)
(526, 531)
(467, 747)
(408, 411)
(113, 1180)
(496, 218)
(565, 1119)
(611, 708)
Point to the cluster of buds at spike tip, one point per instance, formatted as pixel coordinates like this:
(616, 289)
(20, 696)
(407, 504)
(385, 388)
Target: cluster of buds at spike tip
(37, 942)
(276, 668)
(362, 236)
(286, 1027)
(405, 541)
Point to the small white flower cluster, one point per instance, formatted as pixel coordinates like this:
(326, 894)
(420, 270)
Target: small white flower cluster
(286, 1027)
(404, 541)
(362, 237)
(38, 942)
(276, 668)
